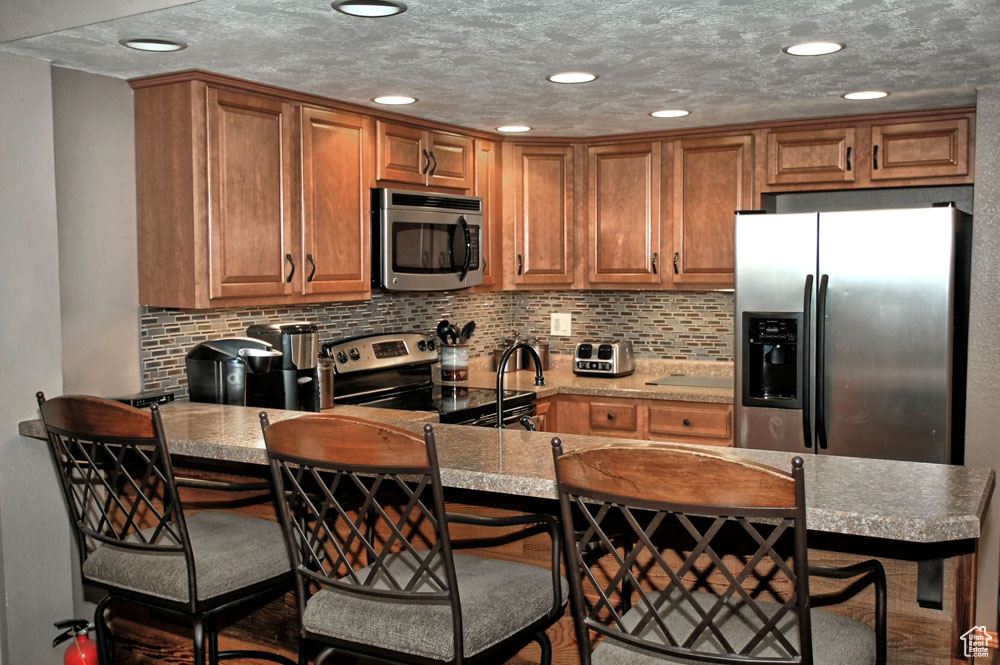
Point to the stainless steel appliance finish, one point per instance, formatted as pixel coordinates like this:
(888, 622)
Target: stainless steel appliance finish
(611, 358)
(423, 241)
(882, 299)
(293, 383)
(393, 371)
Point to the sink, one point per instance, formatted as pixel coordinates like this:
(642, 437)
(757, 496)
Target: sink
(693, 381)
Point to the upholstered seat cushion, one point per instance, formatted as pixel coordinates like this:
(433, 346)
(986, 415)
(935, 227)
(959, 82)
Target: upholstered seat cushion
(231, 551)
(498, 598)
(837, 639)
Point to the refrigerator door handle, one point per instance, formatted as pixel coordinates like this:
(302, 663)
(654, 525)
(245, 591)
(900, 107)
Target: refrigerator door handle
(821, 432)
(807, 435)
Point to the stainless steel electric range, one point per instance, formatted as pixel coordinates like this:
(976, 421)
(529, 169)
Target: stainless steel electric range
(393, 371)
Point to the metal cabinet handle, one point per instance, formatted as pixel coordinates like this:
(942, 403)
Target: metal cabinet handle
(875, 157)
(611, 416)
(435, 167)
(312, 273)
(656, 270)
(427, 162)
(288, 257)
(848, 158)
(687, 423)
(677, 257)
(520, 265)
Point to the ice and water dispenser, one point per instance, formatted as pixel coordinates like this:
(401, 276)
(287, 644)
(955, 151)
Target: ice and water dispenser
(772, 360)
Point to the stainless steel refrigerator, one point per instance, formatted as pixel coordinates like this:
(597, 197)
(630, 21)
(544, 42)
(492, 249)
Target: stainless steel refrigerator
(851, 332)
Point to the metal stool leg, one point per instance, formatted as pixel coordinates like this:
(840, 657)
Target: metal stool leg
(323, 655)
(213, 642)
(199, 641)
(105, 645)
(543, 641)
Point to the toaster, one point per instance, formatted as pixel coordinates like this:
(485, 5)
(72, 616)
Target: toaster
(614, 358)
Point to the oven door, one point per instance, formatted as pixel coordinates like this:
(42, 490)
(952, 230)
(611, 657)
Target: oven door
(430, 251)
(512, 418)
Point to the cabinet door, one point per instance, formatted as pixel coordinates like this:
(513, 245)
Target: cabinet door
(402, 153)
(451, 160)
(251, 166)
(335, 199)
(543, 215)
(811, 156)
(920, 149)
(487, 186)
(713, 178)
(623, 212)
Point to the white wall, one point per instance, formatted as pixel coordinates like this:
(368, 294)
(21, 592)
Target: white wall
(95, 194)
(34, 536)
(982, 445)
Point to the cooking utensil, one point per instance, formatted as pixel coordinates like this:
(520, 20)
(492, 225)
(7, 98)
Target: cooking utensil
(467, 331)
(442, 330)
(452, 333)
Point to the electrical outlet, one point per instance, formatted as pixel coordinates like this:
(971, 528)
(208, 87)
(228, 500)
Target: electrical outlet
(561, 324)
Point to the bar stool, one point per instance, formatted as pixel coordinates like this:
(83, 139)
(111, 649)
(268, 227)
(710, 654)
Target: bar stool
(135, 540)
(363, 512)
(706, 527)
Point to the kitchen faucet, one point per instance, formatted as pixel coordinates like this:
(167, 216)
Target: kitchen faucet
(502, 365)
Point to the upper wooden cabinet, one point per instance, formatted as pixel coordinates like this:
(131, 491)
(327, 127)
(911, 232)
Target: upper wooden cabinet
(336, 159)
(543, 215)
(422, 157)
(903, 151)
(487, 187)
(246, 198)
(623, 213)
(712, 179)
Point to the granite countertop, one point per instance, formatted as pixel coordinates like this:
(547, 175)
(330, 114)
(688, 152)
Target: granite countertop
(560, 380)
(906, 501)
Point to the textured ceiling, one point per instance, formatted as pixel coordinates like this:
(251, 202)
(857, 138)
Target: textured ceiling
(483, 63)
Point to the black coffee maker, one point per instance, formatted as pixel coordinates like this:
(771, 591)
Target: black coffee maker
(220, 370)
(292, 382)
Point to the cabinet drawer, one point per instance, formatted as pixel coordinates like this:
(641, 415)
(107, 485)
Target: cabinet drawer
(618, 417)
(691, 421)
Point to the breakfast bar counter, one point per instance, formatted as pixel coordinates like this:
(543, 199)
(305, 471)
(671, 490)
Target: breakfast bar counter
(903, 513)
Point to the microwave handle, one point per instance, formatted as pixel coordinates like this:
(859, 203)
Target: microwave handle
(468, 247)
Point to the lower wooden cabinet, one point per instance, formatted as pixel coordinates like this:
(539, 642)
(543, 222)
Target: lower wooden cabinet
(646, 419)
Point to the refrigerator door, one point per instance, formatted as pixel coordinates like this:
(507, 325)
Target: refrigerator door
(884, 366)
(775, 260)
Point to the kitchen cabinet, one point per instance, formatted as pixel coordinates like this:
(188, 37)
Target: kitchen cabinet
(487, 186)
(336, 160)
(408, 154)
(542, 214)
(900, 151)
(624, 194)
(712, 178)
(645, 419)
(246, 198)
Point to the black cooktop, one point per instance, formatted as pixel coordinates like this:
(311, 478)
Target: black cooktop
(454, 405)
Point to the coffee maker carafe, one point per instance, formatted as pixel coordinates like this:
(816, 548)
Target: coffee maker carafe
(219, 370)
(291, 383)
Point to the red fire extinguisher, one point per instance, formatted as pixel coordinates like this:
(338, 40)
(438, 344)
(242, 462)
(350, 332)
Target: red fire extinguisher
(83, 651)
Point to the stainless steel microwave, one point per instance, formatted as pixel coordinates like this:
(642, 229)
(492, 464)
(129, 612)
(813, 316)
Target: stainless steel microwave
(424, 241)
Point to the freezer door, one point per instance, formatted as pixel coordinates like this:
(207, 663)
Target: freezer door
(884, 370)
(775, 260)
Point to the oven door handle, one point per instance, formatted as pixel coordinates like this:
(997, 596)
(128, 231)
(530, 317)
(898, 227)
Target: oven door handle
(468, 247)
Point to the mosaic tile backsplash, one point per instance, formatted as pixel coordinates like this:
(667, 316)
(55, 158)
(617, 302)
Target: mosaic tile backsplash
(671, 325)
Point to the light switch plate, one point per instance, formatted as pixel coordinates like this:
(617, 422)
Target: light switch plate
(561, 324)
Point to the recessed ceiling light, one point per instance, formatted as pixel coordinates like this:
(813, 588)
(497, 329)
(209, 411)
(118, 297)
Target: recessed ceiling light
(369, 8)
(866, 94)
(154, 44)
(572, 77)
(514, 129)
(394, 100)
(813, 48)
(670, 113)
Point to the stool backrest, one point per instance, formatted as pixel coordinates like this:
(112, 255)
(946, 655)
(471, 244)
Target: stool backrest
(355, 497)
(116, 476)
(684, 513)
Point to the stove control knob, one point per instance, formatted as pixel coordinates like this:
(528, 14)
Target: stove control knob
(341, 357)
(422, 345)
(431, 345)
(355, 355)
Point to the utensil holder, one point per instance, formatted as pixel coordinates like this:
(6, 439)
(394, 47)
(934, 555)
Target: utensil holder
(454, 364)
